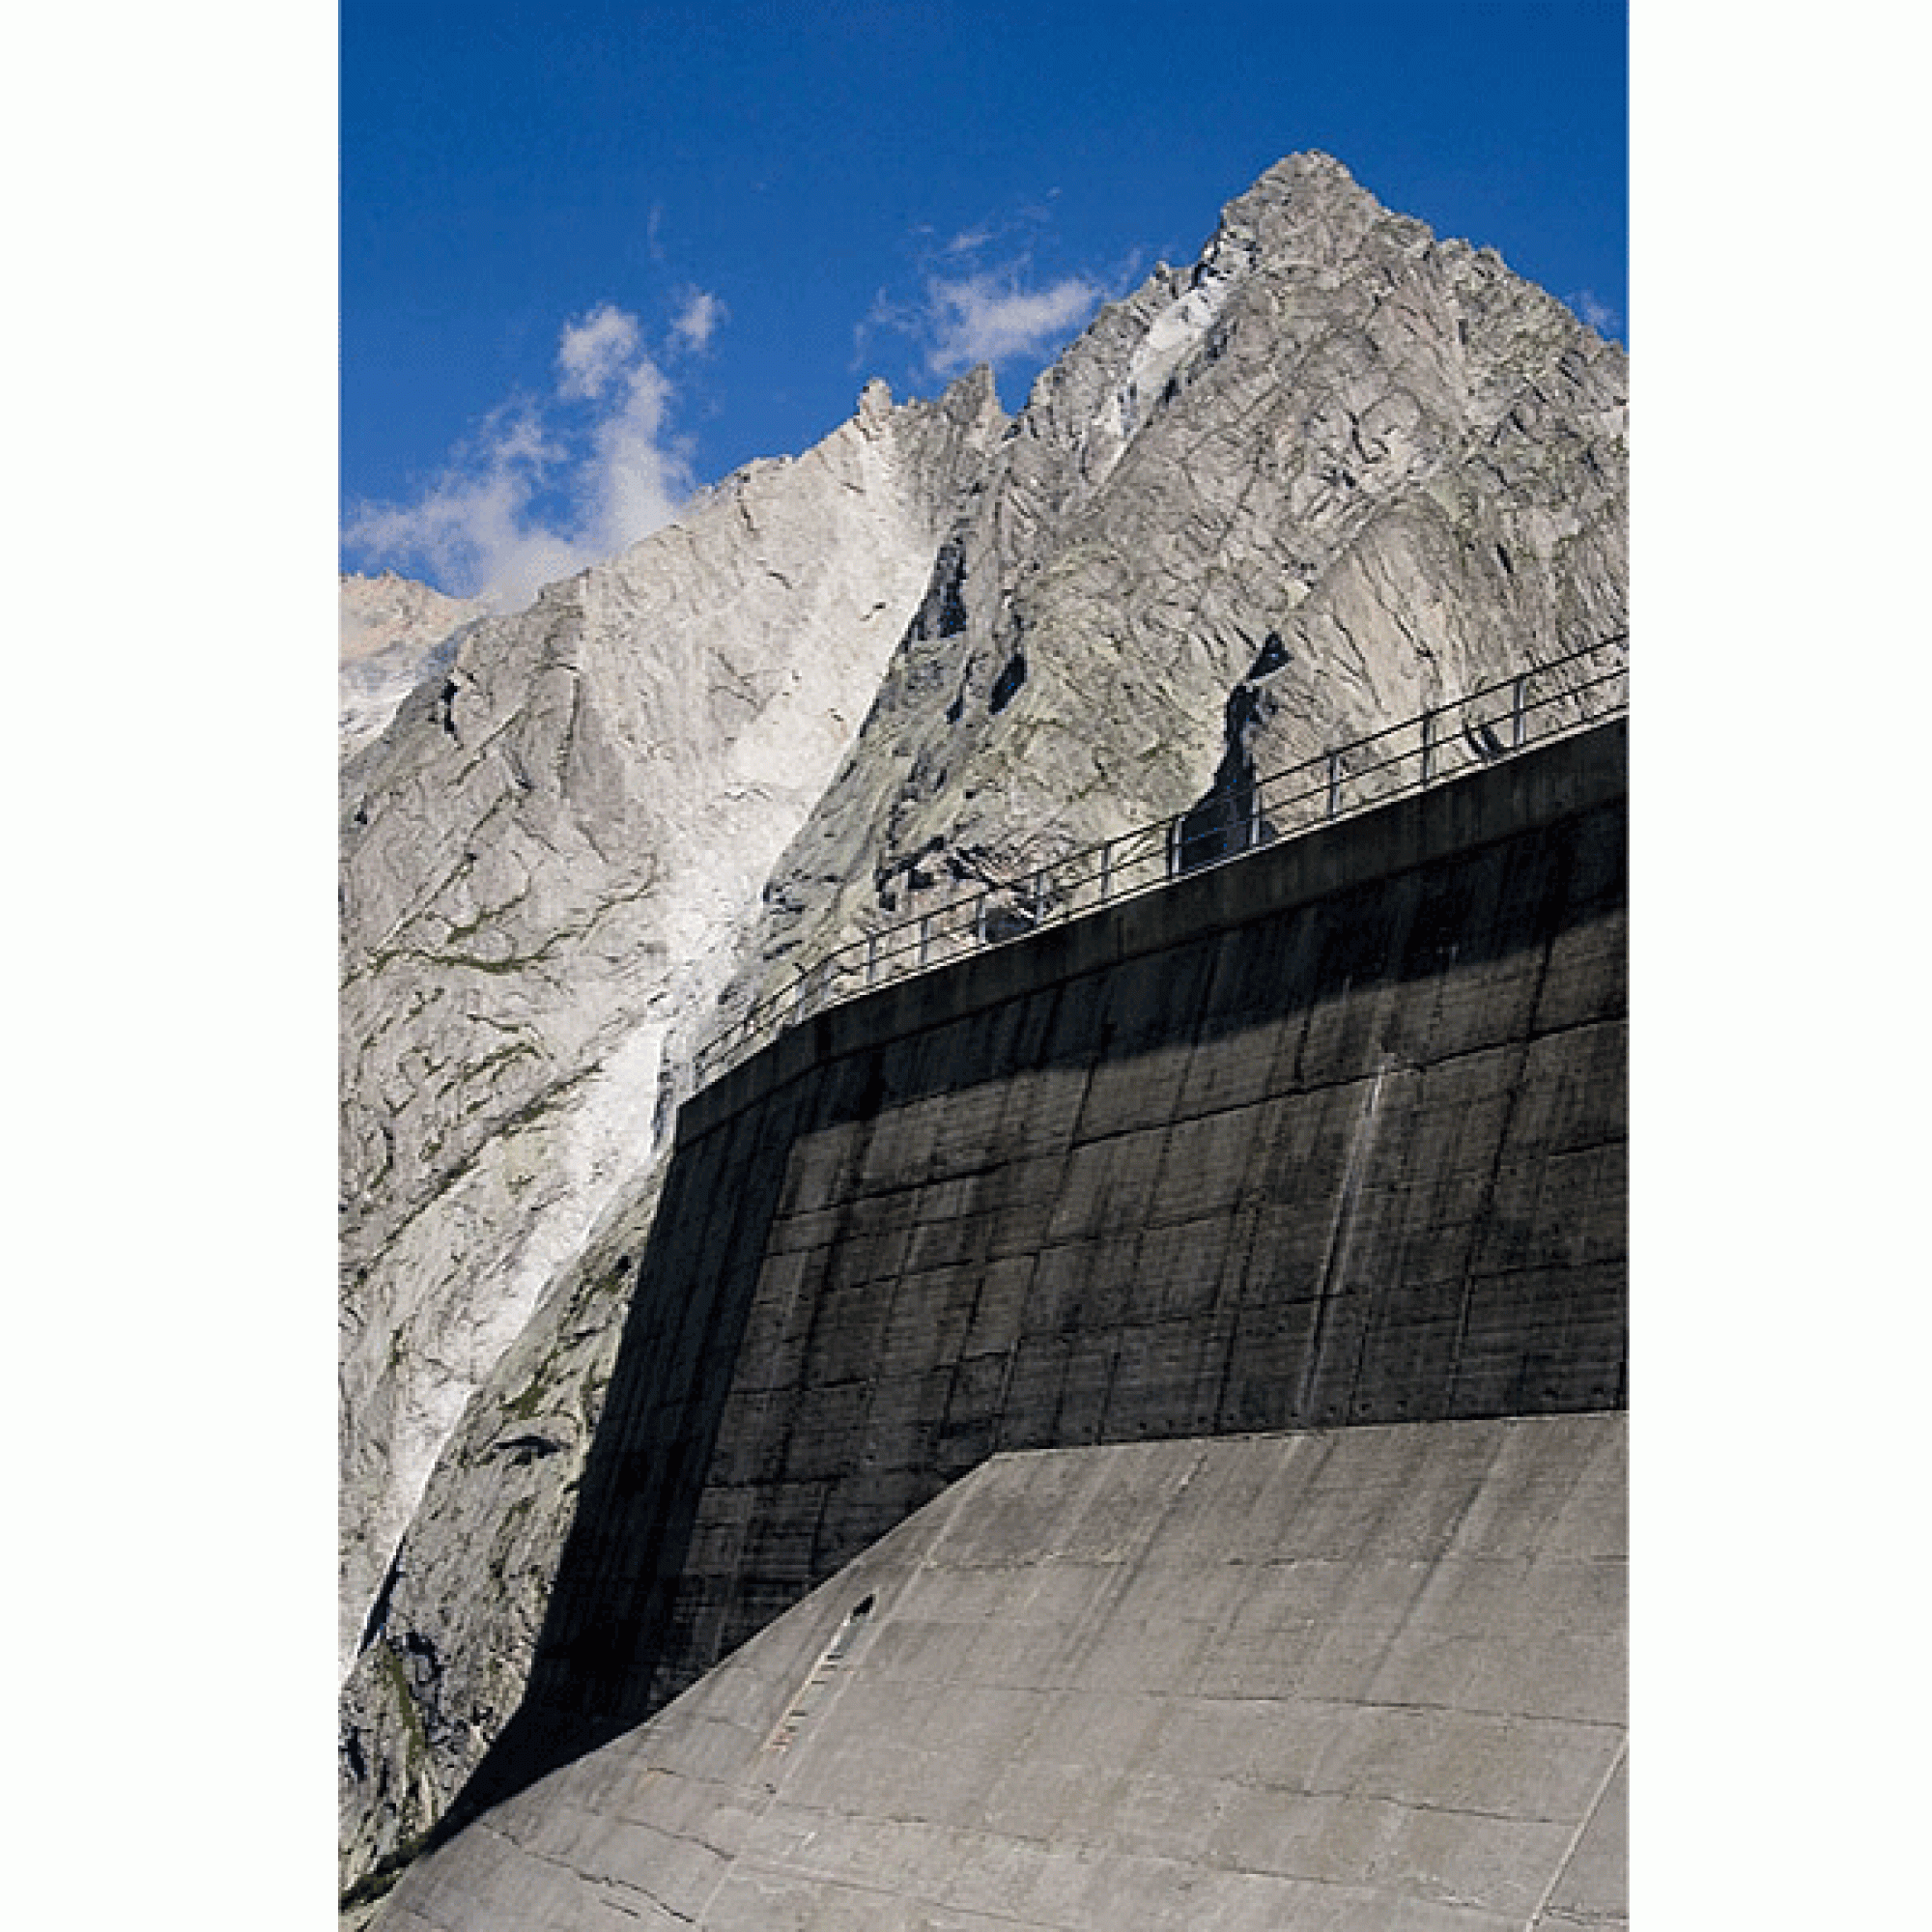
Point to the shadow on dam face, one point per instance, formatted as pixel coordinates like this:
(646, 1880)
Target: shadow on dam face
(1332, 1136)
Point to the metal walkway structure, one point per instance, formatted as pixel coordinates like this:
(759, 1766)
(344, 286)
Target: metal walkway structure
(1572, 693)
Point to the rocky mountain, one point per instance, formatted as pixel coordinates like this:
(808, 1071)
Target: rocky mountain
(393, 635)
(1335, 470)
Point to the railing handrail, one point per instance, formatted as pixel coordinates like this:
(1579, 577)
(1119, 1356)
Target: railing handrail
(881, 951)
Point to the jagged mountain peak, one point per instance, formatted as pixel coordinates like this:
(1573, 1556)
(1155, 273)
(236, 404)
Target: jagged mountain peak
(1331, 429)
(1298, 187)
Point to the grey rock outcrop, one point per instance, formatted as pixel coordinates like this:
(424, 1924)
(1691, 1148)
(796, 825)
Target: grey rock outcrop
(1336, 470)
(454, 1627)
(544, 856)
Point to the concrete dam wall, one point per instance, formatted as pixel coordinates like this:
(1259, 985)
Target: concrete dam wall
(1330, 1138)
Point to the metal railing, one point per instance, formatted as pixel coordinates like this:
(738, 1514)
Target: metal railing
(1536, 706)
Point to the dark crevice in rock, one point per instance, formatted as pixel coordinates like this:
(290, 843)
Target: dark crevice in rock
(379, 1611)
(941, 613)
(1007, 685)
(913, 870)
(1273, 656)
(1223, 823)
(424, 1675)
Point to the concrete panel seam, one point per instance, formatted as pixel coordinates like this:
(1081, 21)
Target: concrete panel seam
(1512, 1099)
(1583, 1825)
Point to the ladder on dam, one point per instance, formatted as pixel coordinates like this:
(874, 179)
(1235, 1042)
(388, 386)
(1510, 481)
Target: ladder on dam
(1536, 706)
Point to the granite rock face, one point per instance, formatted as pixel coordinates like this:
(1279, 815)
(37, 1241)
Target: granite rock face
(1334, 471)
(543, 856)
(454, 1627)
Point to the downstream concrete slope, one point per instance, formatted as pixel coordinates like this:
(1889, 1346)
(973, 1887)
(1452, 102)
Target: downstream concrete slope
(1370, 1679)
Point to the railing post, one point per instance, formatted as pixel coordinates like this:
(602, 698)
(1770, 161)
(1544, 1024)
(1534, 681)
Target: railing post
(1334, 781)
(1039, 897)
(1106, 868)
(1428, 744)
(925, 936)
(1515, 711)
(872, 959)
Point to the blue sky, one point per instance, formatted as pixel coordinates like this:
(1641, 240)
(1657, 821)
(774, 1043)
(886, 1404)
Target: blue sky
(596, 254)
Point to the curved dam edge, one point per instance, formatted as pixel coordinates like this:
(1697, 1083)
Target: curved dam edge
(1371, 1679)
(1458, 816)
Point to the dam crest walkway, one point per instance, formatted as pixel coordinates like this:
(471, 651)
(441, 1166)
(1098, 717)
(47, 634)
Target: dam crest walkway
(1573, 693)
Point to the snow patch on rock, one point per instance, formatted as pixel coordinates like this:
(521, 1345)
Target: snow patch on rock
(1175, 333)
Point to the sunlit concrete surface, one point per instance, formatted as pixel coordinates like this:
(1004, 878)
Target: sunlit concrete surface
(1366, 1680)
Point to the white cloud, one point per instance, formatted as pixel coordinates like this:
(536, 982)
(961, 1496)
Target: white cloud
(548, 487)
(591, 352)
(637, 478)
(470, 532)
(988, 317)
(697, 321)
(1599, 315)
(983, 296)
